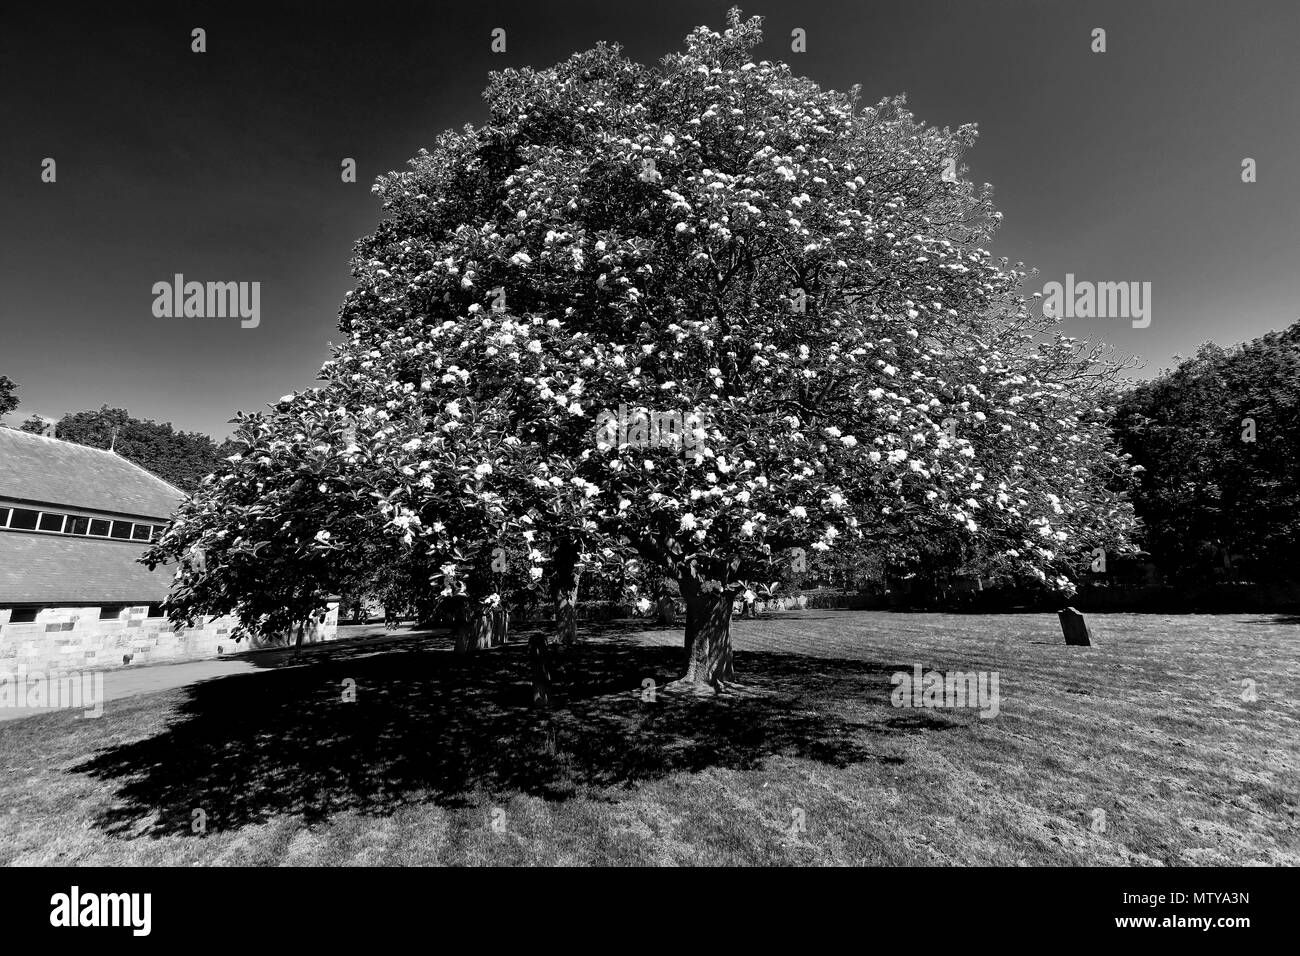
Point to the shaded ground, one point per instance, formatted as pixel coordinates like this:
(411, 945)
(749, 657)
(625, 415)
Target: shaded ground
(122, 682)
(1141, 750)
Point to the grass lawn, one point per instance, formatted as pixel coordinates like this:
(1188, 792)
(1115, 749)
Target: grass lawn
(441, 760)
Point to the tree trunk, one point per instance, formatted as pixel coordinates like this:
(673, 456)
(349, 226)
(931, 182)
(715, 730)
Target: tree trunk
(473, 629)
(539, 659)
(665, 612)
(665, 606)
(566, 614)
(708, 636)
(564, 592)
(297, 644)
(500, 626)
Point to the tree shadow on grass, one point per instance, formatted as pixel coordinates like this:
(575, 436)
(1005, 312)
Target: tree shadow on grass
(428, 726)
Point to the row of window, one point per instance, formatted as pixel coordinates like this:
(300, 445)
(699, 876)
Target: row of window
(109, 612)
(25, 519)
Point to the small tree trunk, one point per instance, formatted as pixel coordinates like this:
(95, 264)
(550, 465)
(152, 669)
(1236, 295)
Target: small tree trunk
(539, 659)
(665, 606)
(564, 592)
(708, 636)
(566, 614)
(666, 611)
(473, 629)
(297, 644)
(500, 626)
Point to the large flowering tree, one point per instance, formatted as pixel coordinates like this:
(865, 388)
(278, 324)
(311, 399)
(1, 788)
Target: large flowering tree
(796, 277)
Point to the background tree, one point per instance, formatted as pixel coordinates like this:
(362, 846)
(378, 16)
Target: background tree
(181, 458)
(283, 525)
(327, 492)
(8, 400)
(1218, 439)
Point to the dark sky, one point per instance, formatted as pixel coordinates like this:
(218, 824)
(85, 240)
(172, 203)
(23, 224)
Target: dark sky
(225, 165)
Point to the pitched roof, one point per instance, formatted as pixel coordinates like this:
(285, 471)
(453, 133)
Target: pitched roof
(49, 568)
(55, 472)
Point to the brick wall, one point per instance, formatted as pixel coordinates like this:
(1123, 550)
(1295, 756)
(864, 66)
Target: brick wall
(75, 639)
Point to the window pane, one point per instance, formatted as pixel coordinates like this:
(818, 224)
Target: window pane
(121, 529)
(140, 532)
(24, 520)
(4, 517)
(51, 522)
(76, 525)
(99, 527)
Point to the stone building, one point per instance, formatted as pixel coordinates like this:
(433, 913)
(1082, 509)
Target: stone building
(73, 521)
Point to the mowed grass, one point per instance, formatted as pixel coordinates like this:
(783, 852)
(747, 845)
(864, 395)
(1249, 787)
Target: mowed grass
(442, 761)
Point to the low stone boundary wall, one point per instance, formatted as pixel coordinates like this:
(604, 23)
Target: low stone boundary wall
(64, 639)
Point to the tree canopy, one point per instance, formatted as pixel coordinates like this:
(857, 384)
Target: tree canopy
(181, 458)
(8, 400)
(784, 270)
(1218, 439)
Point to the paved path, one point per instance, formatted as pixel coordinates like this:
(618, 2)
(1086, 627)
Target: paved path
(150, 678)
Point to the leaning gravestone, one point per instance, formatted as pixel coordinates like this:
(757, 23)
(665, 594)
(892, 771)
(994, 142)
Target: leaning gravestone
(1075, 628)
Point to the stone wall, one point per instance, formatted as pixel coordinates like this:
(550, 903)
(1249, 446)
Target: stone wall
(64, 639)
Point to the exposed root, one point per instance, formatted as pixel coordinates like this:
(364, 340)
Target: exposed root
(715, 688)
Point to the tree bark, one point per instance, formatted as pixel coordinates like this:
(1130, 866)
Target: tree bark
(564, 592)
(665, 606)
(665, 612)
(708, 635)
(539, 659)
(500, 626)
(473, 629)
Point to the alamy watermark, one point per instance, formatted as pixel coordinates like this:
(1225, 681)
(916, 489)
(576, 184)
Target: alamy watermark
(35, 689)
(644, 428)
(208, 300)
(956, 689)
(1098, 300)
(129, 910)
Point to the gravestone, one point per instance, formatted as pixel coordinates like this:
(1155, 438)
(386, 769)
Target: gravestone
(1075, 628)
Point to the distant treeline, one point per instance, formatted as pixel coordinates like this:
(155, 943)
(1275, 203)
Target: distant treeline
(181, 458)
(1218, 438)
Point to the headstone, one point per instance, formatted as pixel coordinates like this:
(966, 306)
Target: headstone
(1075, 628)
